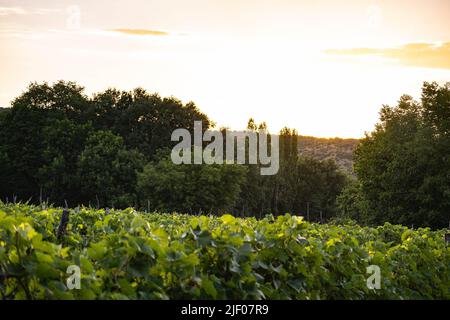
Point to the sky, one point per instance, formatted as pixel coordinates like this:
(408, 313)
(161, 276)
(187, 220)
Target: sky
(324, 68)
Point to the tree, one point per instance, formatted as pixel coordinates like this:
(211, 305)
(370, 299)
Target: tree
(64, 141)
(21, 148)
(145, 121)
(108, 171)
(403, 165)
(351, 203)
(300, 181)
(64, 98)
(190, 188)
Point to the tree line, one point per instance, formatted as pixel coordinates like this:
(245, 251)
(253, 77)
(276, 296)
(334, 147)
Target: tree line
(112, 149)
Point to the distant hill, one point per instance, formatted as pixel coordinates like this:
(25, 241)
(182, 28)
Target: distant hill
(341, 150)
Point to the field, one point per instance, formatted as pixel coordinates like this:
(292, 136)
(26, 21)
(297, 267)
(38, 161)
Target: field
(130, 255)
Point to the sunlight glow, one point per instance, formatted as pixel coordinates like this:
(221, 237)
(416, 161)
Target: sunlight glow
(289, 63)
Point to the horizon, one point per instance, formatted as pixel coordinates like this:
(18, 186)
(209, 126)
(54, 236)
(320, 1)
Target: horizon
(322, 68)
(244, 128)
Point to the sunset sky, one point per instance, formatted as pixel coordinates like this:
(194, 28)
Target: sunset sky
(322, 67)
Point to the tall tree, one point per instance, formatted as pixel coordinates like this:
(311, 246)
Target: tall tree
(404, 164)
(64, 141)
(21, 148)
(108, 171)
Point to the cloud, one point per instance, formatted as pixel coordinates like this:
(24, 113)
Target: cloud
(426, 55)
(4, 11)
(141, 32)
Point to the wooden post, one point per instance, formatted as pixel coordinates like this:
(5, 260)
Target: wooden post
(307, 211)
(63, 224)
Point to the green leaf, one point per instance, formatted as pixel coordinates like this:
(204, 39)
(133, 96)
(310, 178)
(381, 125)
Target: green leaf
(227, 219)
(209, 288)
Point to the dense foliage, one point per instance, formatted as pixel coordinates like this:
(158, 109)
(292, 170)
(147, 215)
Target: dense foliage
(111, 149)
(130, 255)
(57, 143)
(403, 166)
(170, 187)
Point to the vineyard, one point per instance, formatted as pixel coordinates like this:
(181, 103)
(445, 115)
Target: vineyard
(129, 255)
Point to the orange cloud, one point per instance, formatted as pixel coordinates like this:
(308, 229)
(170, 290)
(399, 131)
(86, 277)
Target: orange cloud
(426, 55)
(141, 32)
